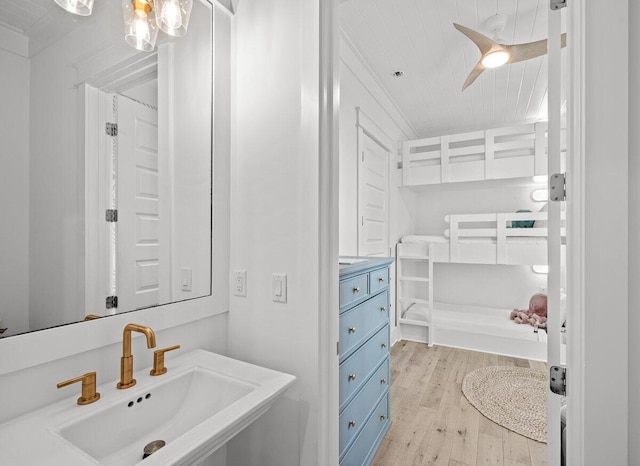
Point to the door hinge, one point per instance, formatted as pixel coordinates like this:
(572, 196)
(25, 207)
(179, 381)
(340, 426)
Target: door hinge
(112, 129)
(111, 215)
(558, 380)
(558, 187)
(112, 302)
(557, 4)
(338, 348)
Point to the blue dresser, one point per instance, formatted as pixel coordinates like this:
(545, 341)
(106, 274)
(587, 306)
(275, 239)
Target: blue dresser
(364, 358)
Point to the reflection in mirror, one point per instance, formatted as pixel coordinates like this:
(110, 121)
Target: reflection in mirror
(89, 127)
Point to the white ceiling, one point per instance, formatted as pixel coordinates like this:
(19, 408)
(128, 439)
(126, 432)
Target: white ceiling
(44, 22)
(418, 37)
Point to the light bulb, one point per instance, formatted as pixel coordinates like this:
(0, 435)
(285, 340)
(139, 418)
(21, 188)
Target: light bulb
(171, 15)
(140, 30)
(495, 59)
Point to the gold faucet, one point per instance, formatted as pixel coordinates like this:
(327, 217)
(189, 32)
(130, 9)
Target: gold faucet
(126, 361)
(89, 394)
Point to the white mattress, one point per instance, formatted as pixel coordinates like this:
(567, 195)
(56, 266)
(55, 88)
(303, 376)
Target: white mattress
(424, 239)
(475, 319)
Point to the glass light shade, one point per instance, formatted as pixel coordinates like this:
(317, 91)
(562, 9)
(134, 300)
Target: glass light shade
(173, 16)
(77, 7)
(140, 28)
(495, 59)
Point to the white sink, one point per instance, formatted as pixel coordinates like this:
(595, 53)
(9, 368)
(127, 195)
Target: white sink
(200, 404)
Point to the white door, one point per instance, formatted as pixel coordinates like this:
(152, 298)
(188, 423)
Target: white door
(138, 226)
(373, 195)
(556, 349)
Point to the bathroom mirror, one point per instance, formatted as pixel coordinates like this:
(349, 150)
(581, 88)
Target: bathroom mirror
(94, 131)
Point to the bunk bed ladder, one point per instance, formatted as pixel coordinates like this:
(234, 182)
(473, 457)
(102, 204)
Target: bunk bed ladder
(405, 299)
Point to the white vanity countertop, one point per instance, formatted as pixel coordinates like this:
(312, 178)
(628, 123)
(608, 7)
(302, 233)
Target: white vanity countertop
(35, 438)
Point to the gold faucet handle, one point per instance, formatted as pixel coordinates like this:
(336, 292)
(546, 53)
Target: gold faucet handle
(158, 360)
(89, 394)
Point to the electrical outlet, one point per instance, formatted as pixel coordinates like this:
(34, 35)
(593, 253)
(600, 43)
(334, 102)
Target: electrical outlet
(240, 283)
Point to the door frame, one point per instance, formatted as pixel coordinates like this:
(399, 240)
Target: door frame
(576, 30)
(329, 156)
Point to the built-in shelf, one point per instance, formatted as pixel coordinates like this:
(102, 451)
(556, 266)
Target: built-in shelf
(414, 258)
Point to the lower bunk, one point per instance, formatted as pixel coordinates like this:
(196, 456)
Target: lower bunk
(473, 327)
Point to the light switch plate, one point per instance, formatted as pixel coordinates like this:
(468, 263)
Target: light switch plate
(186, 278)
(279, 287)
(240, 283)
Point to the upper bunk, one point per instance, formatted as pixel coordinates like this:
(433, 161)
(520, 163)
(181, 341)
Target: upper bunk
(516, 151)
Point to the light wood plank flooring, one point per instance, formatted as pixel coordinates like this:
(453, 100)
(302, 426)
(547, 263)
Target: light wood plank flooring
(434, 424)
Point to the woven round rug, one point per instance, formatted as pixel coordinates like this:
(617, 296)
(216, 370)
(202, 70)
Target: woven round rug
(514, 397)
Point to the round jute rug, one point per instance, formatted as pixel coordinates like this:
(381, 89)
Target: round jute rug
(514, 397)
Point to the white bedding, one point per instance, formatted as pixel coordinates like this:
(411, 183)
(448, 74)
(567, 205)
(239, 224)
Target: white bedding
(475, 319)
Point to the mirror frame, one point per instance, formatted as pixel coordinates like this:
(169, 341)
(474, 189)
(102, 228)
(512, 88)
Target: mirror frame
(27, 350)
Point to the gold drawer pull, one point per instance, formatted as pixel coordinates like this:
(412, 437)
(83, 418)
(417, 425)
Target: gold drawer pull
(352, 330)
(384, 345)
(356, 289)
(381, 279)
(352, 424)
(383, 309)
(383, 381)
(383, 417)
(352, 377)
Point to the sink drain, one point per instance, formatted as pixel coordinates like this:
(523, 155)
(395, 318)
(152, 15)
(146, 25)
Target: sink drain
(153, 447)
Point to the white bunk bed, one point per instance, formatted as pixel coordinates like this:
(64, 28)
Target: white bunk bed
(471, 239)
(509, 152)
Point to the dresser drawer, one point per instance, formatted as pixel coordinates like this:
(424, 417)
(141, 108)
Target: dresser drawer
(353, 290)
(355, 370)
(378, 279)
(354, 415)
(358, 323)
(368, 440)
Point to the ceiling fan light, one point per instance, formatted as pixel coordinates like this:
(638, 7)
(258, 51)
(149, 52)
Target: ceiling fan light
(495, 59)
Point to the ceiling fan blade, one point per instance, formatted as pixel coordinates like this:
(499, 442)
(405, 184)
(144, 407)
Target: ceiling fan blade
(529, 50)
(483, 42)
(475, 72)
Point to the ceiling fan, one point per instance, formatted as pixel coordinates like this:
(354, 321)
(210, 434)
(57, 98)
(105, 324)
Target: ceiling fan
(495, 53)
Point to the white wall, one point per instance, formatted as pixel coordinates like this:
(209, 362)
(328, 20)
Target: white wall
(274, 220)
(634, 229)
(14, 183)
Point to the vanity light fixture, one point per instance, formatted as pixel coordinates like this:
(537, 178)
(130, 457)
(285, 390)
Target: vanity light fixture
(172, 16)
(77, 7)
(140, 27)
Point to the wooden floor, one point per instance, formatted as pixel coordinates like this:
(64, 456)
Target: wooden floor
(434, 424)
